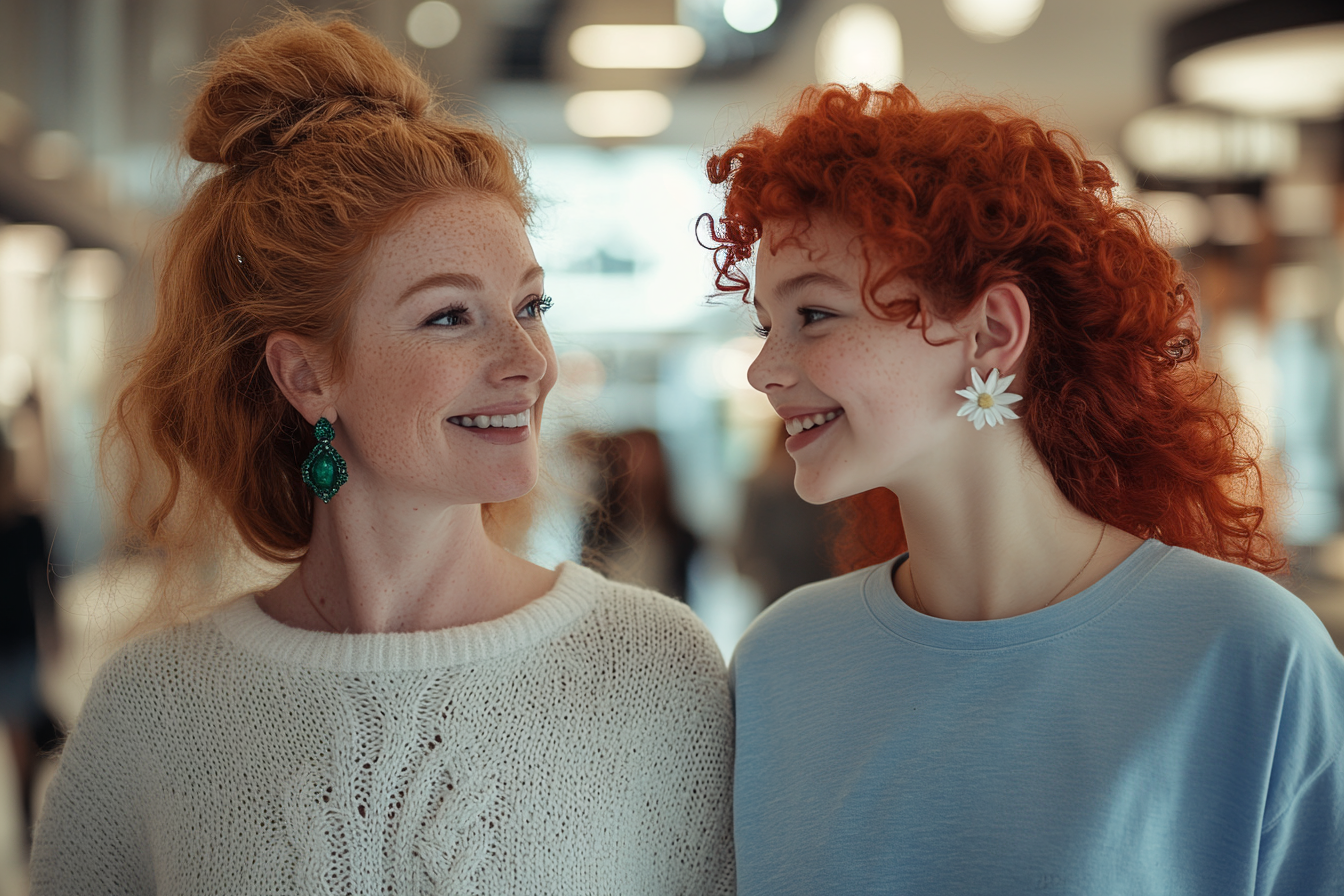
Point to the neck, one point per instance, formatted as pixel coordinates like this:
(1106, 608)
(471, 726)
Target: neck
(991, 536)
(380, 565)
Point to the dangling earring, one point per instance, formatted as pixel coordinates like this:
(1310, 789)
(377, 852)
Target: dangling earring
(324, 468)
(986, 400)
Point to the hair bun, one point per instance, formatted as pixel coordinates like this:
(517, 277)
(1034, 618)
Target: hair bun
(266, 90)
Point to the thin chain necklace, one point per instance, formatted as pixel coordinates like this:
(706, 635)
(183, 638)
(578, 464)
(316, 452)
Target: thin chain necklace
(311, 603)
(919, 604)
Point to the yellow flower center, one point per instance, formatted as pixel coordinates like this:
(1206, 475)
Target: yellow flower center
(985, 400)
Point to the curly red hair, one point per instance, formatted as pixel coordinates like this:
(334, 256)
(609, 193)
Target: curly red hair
(954, 199)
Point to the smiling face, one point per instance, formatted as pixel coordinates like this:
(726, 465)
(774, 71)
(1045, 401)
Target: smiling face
(449, 362)
(867, 402)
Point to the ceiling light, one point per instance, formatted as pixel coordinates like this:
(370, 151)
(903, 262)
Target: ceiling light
(1297, 72)
(750, 16)
(860, 43)
(433, 24)
(636, 46)
(1194, 143)
(618, 113)
(992, 21)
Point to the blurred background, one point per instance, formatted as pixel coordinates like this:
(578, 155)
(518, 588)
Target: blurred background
(1225, 119)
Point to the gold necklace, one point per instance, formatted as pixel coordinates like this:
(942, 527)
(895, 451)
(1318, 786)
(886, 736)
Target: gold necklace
(919, 604)
(311, 603)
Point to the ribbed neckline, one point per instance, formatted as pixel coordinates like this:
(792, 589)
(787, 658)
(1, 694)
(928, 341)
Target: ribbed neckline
(250, 628)
(905, 622)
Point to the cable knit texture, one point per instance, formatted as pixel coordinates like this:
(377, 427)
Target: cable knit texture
(582, 744)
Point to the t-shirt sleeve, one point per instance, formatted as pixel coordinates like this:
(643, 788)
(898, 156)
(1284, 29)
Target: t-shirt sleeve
(1302, 851)
(1302, 838)
(91, 835)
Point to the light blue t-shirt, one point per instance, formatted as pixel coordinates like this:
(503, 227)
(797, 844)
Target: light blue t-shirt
(1177, 728)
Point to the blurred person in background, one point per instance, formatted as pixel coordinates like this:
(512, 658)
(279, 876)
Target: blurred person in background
(347, 376)
(1058, 663)
(28, 632)
(634, 533)
(783, 541)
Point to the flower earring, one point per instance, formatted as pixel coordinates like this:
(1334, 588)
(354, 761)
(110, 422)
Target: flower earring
(324, 468)
(986, 400)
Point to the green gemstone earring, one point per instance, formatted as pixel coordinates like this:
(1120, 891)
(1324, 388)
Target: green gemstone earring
(324, 468)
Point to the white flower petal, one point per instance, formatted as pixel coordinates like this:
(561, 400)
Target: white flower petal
(977, 384)
(992, 381)
(966, 408)
(967, 394)
(1007, 398)
(1007, 413)
(979, 420)
(1006, 381)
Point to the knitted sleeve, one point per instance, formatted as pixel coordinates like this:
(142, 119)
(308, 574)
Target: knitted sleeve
(700, 805)
(91, 836)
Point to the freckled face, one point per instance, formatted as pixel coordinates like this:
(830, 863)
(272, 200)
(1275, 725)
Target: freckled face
(448, 328)
(878, 398)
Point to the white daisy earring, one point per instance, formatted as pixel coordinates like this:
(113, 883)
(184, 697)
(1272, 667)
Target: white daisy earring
(987, 401)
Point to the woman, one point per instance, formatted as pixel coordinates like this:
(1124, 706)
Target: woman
(1064, 672)
(414, 708)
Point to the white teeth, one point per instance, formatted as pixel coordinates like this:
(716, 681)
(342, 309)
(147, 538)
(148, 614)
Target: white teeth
(802, 424)
(483, 421)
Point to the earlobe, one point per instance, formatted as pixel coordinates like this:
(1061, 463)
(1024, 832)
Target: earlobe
(294, 365)
(1002, 323)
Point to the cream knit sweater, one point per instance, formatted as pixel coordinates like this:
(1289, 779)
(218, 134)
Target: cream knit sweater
(582, 744)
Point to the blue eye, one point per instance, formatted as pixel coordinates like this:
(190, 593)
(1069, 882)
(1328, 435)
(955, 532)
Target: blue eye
(812, 315)
(538, 306)
(449, 317)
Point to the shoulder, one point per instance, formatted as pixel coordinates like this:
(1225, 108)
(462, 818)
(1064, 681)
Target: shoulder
(828, 606)
(1231, 599)
(628, 616)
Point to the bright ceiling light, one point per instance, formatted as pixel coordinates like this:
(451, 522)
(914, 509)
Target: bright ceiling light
(992, 21)
(860, 43)
(636, 46)
(1204, 144)
(618, 113)
(750, 16)
(1298, 72)
(433, 24)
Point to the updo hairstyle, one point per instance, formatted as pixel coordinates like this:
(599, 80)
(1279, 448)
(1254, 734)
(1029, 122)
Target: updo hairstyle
(1134, 431)
(315, 140)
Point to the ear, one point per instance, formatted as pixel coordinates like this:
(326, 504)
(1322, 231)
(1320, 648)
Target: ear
(999, 326)
(297, 365)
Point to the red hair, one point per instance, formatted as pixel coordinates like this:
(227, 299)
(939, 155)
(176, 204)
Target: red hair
(955, 199)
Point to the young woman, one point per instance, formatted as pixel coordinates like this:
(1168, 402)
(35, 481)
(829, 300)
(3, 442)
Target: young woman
(1065, 673)
(349, 367)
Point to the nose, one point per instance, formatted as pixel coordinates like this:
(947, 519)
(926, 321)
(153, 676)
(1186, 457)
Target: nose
(771, 369)
(524, 355)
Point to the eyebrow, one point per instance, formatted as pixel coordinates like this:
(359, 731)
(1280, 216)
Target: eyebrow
(794, 285)
(454, 280)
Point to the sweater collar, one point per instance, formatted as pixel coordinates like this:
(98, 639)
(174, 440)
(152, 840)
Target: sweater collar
(251, 629)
